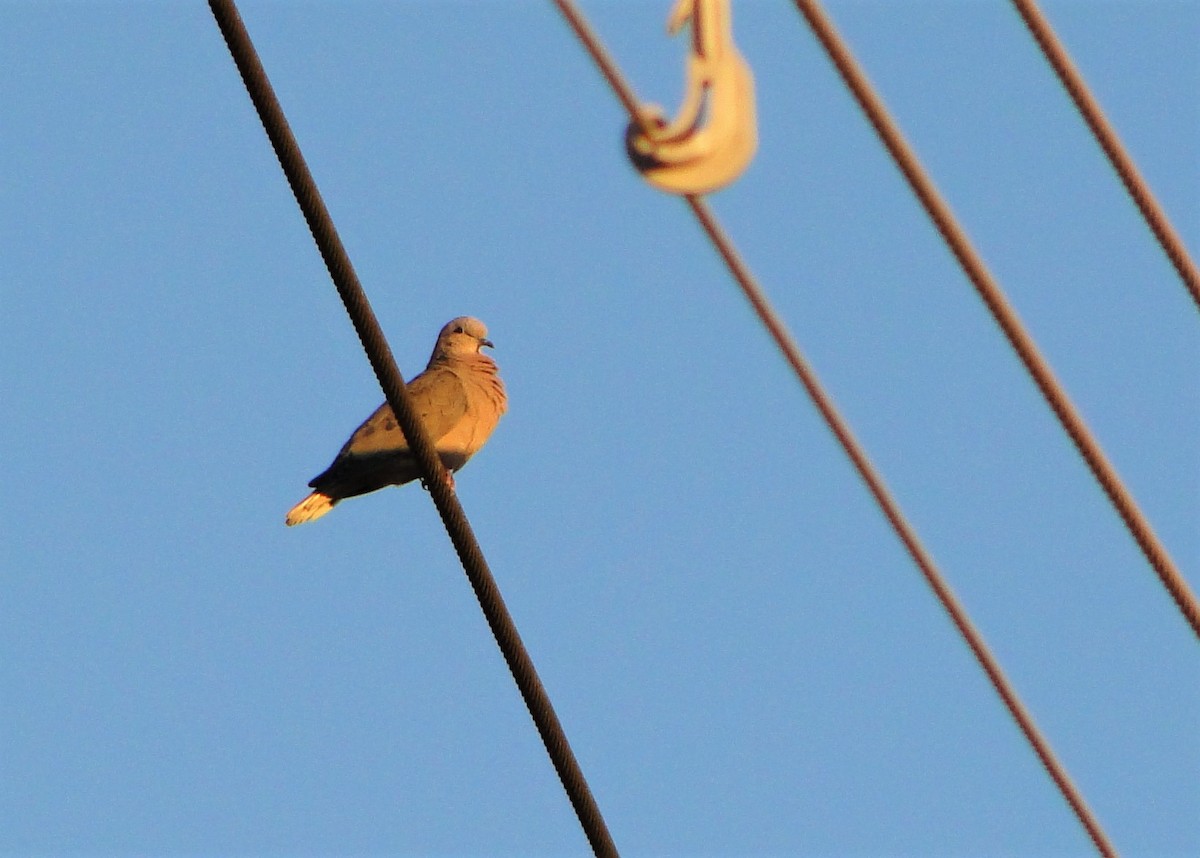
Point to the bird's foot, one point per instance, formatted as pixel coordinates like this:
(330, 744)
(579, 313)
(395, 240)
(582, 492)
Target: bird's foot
(449, 482)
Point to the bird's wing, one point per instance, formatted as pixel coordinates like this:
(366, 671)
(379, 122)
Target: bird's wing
(440, 401)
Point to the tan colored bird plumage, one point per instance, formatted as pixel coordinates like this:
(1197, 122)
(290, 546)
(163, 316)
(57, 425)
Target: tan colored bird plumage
(459, 399)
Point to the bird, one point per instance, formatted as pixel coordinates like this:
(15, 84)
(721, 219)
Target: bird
(459, 399)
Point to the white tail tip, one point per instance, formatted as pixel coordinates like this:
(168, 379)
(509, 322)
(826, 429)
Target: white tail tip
(312, 507)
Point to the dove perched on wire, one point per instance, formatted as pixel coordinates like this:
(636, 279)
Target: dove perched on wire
(459, 399)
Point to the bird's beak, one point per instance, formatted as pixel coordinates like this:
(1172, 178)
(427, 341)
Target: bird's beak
(487, 343)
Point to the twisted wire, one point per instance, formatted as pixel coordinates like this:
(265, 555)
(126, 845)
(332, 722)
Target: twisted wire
(1002, 311)
(857, 454)
(433, 473)
(908, 535)
(1106, 135)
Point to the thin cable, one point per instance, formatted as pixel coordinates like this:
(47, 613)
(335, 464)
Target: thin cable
(433, 473)
(1006, 317)
(906, 532)
(600, 56)
(858, 456)
(1073, 81)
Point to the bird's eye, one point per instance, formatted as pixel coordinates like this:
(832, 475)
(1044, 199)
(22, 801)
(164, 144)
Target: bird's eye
(459, 330)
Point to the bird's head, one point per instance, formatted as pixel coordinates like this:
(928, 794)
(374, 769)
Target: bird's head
(461, 337)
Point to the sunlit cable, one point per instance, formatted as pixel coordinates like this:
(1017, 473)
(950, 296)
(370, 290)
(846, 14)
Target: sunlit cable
(1106, 135)
(841, 429)
(1006, 317)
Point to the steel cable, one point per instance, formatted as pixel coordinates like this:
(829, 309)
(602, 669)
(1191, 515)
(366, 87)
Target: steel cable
(1006, 317)
(1073, 81)
(906, 532)
(858, 456)
(433, 473)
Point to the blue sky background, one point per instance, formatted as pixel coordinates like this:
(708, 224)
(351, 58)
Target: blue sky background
(743, 656)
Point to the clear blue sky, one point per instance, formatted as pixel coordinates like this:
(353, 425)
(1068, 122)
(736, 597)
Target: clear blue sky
(743, 656)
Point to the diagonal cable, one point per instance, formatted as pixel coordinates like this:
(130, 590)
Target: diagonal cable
(908, 535)
(858, 456)
(1006, 317)
(1073, 81)
(432, 472)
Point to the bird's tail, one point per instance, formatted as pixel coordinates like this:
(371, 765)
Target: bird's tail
(313, 506)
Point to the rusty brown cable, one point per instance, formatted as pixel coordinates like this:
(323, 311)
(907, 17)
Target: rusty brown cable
(906, 532)
(858, 456)
(1006, 317)
(1106, 135)
(584, 32)
(433, 473)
